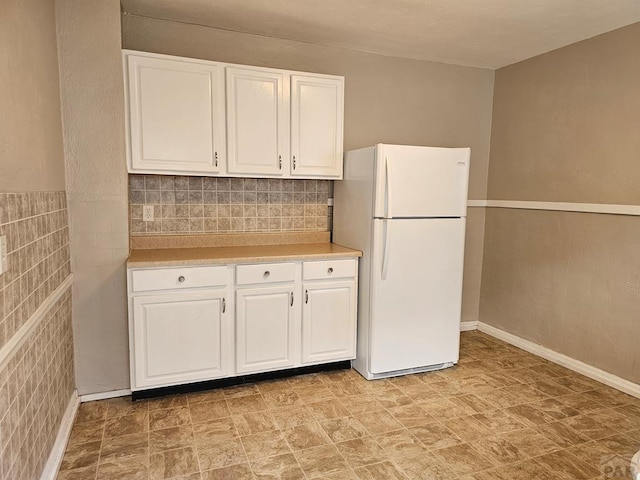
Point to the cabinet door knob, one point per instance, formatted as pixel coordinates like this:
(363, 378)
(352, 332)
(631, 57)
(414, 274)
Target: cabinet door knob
(267, 274)
(181, 279)
(330, 270)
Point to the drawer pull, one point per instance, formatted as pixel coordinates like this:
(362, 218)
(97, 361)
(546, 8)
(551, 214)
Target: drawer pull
(181, 279)
(306, 296)
(267, 274)
(330, 270)
(292, 299)
(224, 305)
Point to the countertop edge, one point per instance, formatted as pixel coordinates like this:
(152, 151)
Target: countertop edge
(241, 259)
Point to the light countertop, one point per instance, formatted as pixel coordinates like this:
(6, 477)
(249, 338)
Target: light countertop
(169, 257)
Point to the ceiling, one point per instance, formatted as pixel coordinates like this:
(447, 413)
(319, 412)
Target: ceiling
(479, 33)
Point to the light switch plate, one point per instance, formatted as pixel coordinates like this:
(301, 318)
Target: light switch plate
(147, 213)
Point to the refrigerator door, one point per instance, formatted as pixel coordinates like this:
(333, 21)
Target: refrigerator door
(421, 181)
(416, 298)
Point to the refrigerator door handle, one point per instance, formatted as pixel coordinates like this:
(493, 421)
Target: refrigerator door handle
(387, 163)
(386, 240)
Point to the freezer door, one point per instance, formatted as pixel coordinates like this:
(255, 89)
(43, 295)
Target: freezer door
(421, 181)
(416, 296)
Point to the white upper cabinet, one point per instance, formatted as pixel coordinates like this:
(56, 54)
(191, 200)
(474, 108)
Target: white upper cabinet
(274, 123)
(176, 115)
(317, 106)
(257, 121)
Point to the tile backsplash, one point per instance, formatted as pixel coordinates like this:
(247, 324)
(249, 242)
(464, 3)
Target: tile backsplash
(195, 205)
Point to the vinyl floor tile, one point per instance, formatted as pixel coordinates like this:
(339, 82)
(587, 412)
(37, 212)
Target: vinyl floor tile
(342, 429)
(124, 446)
(306, 436)
(381, 471)
(321, 461)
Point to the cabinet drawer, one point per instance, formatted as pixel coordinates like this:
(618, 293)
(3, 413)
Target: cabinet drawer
(265, 273)
(326, 269)
(178, 278)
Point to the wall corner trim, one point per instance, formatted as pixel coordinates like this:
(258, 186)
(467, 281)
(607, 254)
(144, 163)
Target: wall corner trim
(51, 468)
(468, 325)
(585, 369)
(24, 332)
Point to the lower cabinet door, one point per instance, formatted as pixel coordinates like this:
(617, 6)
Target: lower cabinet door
(328, 322)
(179, 338)
(264, 329)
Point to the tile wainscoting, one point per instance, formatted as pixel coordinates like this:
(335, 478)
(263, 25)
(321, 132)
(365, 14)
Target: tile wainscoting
(36, 349)
(37, 232)
(188, 205)
(36, 384)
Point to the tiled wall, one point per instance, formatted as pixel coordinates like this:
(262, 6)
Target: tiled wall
(192, 205)
(35, 388)
(37, 380)
(37, 232)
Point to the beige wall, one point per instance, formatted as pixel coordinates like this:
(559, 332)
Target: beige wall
(565, 124)
(387, 99)
(30, 134)
(93, 112)
(565, 128)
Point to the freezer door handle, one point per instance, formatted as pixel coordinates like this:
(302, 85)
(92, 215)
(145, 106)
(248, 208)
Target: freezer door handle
(386, 241)
(387, 163)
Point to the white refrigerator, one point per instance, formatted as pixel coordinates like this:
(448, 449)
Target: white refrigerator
(405, 208)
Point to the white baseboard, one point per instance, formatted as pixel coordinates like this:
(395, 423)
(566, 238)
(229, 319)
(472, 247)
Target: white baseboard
(52, 466)
(469, 325)
(571, 363)
(104, 395)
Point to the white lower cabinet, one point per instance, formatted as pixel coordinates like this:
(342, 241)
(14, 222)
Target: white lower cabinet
(264, 329)
(191, 324)
(328, 321)
(179, 338)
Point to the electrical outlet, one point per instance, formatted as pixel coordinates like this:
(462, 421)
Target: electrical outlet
(3, 254)
(147, 213)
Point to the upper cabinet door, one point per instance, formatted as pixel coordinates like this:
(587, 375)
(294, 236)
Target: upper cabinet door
(257, 122)
(317, 111)
(176, 115)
